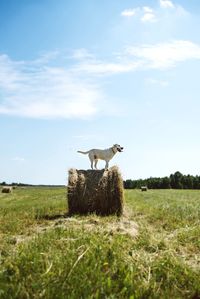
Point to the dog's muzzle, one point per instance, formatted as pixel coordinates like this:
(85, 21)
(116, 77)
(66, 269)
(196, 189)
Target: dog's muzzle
(120, 149)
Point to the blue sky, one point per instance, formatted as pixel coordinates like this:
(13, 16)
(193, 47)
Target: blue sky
(76, 75)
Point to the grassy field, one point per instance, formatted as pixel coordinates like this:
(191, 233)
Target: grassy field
(152, 252)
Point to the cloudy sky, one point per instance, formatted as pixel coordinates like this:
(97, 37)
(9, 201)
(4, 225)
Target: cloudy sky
(76, 75)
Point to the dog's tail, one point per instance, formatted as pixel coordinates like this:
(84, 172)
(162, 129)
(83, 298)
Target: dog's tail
(85, 153)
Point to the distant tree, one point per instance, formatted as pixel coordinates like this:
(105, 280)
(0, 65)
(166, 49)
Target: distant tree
(150, 183)
(176, 180)
(187, 182)
(128, 184)
(165, 183)
(196, 182)
(172, 181)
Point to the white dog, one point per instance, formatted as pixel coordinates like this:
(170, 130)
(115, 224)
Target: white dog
(106, 154)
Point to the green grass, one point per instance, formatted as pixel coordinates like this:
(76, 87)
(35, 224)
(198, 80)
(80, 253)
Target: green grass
(46, 255)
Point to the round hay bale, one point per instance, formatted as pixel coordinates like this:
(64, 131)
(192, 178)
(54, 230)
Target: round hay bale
(6, 189)
(95, 191)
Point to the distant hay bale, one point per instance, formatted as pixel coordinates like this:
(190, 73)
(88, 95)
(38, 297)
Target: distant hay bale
(95, 191)
(6, 189)
(144, 188)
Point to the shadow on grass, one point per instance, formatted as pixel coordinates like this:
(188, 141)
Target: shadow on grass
(53, 217)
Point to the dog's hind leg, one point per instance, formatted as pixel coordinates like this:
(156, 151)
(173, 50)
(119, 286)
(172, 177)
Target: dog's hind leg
(95, 164)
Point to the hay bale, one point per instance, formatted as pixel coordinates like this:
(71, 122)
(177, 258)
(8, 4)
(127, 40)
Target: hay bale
(95, 191)
(144, 188)
(6, 189)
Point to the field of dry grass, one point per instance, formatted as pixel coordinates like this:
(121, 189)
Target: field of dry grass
(153, 251)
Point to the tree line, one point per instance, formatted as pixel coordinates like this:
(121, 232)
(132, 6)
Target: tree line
(174, 181)
(27, 185)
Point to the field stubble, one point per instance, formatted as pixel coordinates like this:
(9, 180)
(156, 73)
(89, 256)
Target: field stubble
(152, 252)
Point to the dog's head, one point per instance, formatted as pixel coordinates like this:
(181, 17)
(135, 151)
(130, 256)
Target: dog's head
(118, 148)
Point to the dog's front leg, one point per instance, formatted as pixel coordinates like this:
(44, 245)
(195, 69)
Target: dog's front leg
(91, 160)
(106, 167)
(95, 163)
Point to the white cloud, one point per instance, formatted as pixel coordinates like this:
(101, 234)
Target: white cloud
(148, 17)
(43, 90)
(40, 91)
(10, 76)
(147, 9)
(142, 57)
(18, 159)
(165, 55)
(145, 13)
(107, 68)
(166, 4)
(128, 12)
(162, 83)
(82, 53)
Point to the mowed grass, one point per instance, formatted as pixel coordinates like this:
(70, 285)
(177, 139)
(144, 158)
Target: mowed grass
(44, 254)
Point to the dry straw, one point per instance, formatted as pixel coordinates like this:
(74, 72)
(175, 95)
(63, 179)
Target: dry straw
(95, 191)
(6, 190)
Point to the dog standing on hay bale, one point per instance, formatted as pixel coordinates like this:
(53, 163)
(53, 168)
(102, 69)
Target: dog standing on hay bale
(98, 191)
(106, 154)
